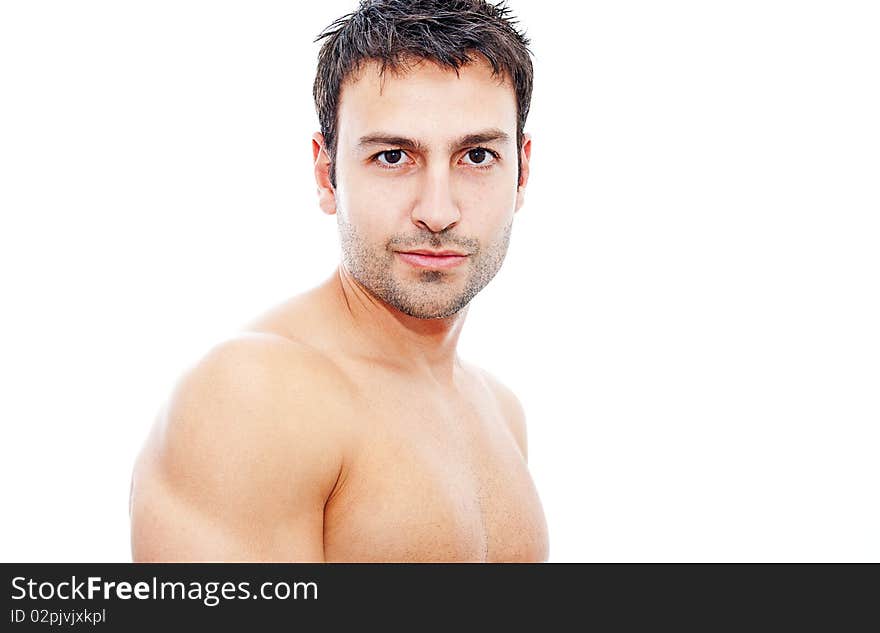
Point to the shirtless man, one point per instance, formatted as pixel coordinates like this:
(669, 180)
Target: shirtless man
(342, 425)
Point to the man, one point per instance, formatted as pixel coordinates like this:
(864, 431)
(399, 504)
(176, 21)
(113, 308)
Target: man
(341, 425)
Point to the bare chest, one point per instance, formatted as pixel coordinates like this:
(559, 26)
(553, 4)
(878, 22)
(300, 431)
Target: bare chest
(433, 480)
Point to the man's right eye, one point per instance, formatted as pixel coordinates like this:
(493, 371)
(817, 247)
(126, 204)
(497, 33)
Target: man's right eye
(392, 157)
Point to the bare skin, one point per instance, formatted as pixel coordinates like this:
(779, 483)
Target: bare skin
(340, 427)
(331, 449)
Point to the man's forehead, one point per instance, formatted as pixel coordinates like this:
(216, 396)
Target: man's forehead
(425, 98)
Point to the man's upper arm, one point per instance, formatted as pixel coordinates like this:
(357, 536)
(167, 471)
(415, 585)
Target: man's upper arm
(242, 459)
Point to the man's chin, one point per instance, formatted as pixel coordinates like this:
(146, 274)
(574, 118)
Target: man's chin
(421, 303)
(433, 315)
(430, 295)
(420, 310)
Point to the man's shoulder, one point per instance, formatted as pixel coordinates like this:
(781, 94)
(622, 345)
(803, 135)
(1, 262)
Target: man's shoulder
(252, 363)
(246, 445)
(508, 403)
(255, 404)
(258, 370)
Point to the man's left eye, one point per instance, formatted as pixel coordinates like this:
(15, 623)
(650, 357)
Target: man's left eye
(479, 156)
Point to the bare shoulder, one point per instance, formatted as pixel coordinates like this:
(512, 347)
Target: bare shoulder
(509, 404)
(242, 457)
(254, 390)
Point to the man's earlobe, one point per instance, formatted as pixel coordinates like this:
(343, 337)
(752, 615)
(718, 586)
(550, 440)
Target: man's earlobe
(326, 191)
(525, 156)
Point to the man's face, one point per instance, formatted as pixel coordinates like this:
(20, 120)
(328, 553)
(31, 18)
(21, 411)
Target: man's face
(426, 161)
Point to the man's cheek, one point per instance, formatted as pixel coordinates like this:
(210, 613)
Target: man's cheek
(373, 225)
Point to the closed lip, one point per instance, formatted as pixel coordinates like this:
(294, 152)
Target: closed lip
(423, 251)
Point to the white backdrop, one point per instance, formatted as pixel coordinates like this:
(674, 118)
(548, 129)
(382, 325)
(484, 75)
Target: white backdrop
(688, 311)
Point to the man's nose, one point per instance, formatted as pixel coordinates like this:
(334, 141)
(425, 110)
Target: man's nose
(435, 207)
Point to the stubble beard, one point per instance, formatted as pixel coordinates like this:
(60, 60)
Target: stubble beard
(434, 294)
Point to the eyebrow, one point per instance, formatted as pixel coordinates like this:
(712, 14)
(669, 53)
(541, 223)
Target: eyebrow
(476, 138)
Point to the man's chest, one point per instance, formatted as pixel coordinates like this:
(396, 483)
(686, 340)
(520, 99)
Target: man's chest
(434, 481)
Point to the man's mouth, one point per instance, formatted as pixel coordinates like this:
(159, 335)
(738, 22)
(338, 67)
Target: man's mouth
(425, 258)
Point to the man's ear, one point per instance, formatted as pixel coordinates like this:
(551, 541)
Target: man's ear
(525, 156)
(326, 191)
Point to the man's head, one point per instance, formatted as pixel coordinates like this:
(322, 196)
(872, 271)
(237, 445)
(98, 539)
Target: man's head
(422, 105)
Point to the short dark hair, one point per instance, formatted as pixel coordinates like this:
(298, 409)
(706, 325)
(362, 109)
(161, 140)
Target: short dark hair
(395, 32)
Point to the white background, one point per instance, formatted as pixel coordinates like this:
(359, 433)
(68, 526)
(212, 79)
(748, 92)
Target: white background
(689, 310)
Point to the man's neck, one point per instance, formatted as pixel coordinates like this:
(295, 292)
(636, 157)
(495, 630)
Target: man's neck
(423, 346)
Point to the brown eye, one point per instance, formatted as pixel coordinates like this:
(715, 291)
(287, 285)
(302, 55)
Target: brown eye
(480, 157)
(477, 155)
(393, 159)
(392, 156)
